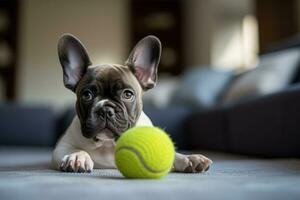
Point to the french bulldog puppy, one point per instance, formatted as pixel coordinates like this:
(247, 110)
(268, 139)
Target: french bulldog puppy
(109, 101)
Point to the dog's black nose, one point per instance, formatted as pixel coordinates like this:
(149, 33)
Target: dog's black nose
(106, 112)
(110, 112)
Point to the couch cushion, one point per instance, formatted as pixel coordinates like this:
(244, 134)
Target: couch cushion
(207, 130)
(161, 95)
(274, 72)
(202, 87)
(264, 126)
(171, 120)
(26, 125)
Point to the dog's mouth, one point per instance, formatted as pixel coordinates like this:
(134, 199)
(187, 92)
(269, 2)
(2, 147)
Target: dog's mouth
(100, 130)
(106, 134)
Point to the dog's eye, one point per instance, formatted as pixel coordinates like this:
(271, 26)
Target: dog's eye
(87, 95)
(128, 95)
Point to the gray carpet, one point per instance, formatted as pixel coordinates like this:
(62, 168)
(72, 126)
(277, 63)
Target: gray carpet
(25, 174)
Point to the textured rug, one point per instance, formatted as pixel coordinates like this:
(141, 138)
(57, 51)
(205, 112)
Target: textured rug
(25, 174)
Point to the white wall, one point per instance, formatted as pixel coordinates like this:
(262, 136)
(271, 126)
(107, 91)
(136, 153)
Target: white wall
(208, 29)
(235, 35)
(102, 25)
(197, 25)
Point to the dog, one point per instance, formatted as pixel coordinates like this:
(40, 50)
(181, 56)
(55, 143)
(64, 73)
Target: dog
(109, 102)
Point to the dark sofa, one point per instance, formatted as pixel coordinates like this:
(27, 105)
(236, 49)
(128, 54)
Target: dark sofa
(262, 125)
(265, 126)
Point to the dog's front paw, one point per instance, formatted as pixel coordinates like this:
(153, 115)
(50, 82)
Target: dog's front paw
(77, 162)
(195, 163)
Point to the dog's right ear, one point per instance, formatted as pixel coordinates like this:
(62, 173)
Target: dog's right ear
(74, 60)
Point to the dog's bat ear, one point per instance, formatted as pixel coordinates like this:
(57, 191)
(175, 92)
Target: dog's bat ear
(74, 60)
(144, 59)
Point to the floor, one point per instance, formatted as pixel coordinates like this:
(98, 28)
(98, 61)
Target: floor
(25, 174)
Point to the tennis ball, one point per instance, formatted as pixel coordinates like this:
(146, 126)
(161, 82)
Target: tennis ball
(144, 152)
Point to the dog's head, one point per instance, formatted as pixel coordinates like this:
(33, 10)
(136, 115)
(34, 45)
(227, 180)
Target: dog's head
(109, 96)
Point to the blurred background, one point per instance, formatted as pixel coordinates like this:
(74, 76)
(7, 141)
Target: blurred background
(216, 53)
(225, 34)
(229, 82)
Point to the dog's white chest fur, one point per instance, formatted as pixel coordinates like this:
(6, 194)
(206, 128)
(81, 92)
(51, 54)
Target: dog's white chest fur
(101, 152)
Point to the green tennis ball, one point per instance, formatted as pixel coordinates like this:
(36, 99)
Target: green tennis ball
(144, 152)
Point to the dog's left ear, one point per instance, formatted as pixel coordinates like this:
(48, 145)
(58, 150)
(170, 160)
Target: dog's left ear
(144, 59)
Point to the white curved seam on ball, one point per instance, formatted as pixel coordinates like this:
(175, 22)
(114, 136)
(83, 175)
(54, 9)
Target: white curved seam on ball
(141, 159)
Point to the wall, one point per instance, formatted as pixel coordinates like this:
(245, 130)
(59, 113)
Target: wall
(197, 21)
(210, 27)
(100, 24)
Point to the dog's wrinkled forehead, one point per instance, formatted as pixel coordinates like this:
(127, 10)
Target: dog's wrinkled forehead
(107, 75)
